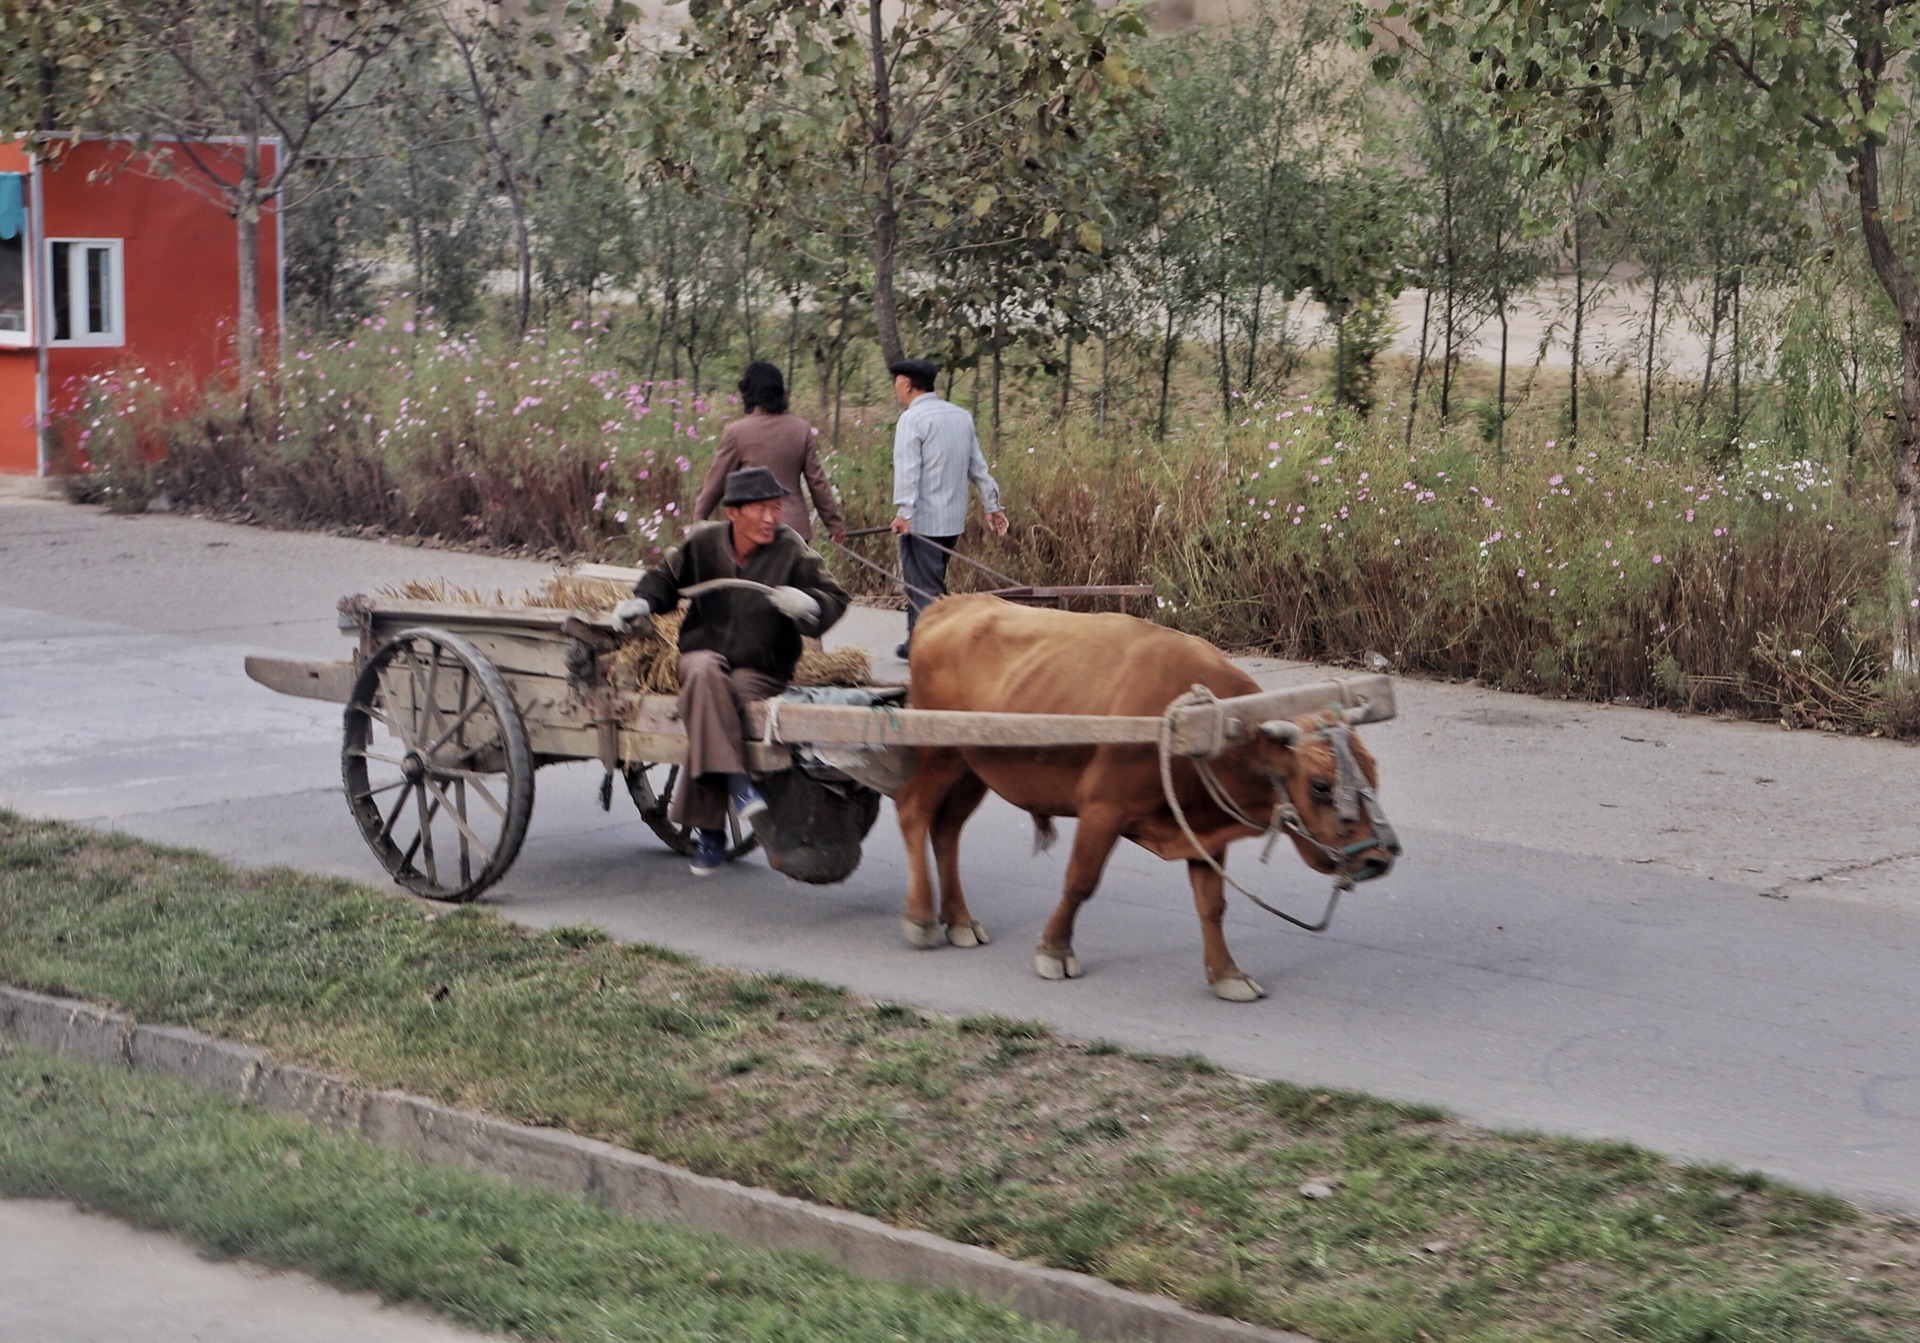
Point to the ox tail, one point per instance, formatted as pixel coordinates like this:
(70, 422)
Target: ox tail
(1043, 833)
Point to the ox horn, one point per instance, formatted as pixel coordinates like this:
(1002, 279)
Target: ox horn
(1281, 730)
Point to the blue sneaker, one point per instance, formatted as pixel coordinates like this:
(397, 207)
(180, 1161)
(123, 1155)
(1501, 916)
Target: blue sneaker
(746, 799)
(709, 852)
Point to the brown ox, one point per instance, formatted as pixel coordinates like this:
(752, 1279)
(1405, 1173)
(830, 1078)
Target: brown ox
(981, 653)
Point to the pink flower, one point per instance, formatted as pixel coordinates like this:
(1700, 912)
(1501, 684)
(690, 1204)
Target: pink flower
(1656, 559)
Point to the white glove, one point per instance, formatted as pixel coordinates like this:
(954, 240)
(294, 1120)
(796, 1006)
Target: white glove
(631, 611)
(794, 604)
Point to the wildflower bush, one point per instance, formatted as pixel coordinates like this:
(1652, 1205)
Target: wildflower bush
(545, 446)
(1663, 577)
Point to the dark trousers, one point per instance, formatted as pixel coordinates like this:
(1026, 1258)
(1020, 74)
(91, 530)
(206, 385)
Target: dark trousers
(924, 570)
(712, 694)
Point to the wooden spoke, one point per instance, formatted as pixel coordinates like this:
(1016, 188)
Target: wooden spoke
(469, 777)
(430, 706)
(460, 822)
(359, 754)
(384, 788)
(386, 831)
(454, 727)
(426, 827)
(460, 811)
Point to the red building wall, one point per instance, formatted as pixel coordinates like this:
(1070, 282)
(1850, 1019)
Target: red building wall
(180, 269)
(19, 373)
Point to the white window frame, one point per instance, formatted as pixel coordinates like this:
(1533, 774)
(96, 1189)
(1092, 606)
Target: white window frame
(116, 334)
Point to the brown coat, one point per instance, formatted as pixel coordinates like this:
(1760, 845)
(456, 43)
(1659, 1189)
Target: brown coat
(784, 445)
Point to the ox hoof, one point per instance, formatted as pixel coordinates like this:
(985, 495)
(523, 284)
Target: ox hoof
(1049, 966)
(968, 934)
(923, 936)
(1237, 989)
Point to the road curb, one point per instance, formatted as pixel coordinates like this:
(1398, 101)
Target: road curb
(619, 1179)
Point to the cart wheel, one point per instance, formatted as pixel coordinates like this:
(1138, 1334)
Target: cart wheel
(443, 790)
(653, 810)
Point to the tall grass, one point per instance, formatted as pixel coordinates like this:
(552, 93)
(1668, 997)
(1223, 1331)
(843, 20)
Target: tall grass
(1658, 574)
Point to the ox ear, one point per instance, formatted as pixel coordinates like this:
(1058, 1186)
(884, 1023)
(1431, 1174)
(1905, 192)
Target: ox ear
(1281, 730)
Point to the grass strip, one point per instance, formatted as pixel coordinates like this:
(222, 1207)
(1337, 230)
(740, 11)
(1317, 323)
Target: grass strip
(1158, 1174)
(243, 1183)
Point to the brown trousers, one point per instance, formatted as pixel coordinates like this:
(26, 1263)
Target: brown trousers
(712, 694)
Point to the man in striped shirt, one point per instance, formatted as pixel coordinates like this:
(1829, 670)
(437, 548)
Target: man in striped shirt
(935, 454)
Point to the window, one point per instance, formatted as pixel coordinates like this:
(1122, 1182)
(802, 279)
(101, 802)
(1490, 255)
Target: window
(83, 283)
(13, 259)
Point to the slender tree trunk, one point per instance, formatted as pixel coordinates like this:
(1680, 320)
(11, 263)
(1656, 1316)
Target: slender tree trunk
(1500, 402)
(246, 218)
(1226, 373)
(1716, 311)
(1899, 285)
(1579, 316)
(1106, 357)
(669, 287)
(1066, 376)
(1340, 359)
(839, 372)
(998, 329)
(886, 213)
(1260, 271)
(1451, 271)
(1653, 335)
(414, 231)
(1419, 364)
(509, 177)
(793, 335)
(746, 289)
(246, 215)
(1733, 356)
(673, 345)
(1168, 344)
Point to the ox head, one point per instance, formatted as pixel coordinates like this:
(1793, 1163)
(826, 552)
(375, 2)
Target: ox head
(1327, 778)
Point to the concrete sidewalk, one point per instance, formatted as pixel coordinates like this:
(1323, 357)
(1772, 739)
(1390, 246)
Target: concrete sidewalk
(74, 1277)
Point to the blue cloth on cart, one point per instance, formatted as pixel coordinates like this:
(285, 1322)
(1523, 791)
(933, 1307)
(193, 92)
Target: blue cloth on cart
(842, 694)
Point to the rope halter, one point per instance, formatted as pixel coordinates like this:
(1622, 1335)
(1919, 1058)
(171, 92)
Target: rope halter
(1352, 795)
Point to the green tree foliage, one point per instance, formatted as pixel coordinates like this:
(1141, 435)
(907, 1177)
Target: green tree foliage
(1255, 113)
(1790, 85)
(917, 111)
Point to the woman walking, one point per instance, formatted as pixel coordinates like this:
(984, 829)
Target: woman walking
(767, 435)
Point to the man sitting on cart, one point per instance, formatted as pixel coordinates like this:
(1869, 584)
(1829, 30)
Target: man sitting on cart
(737, 643)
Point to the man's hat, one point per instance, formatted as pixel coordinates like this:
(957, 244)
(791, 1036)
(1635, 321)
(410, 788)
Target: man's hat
(922, 372)
(751, 484)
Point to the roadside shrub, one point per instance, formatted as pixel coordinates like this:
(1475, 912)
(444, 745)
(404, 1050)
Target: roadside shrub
(1653, 575)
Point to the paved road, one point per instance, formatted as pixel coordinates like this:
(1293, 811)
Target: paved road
(74, 1277)
(1698, 935)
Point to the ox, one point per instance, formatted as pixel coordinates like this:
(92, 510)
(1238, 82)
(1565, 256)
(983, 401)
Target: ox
(984, 654)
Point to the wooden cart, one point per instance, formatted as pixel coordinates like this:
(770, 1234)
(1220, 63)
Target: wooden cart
(452, 707)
